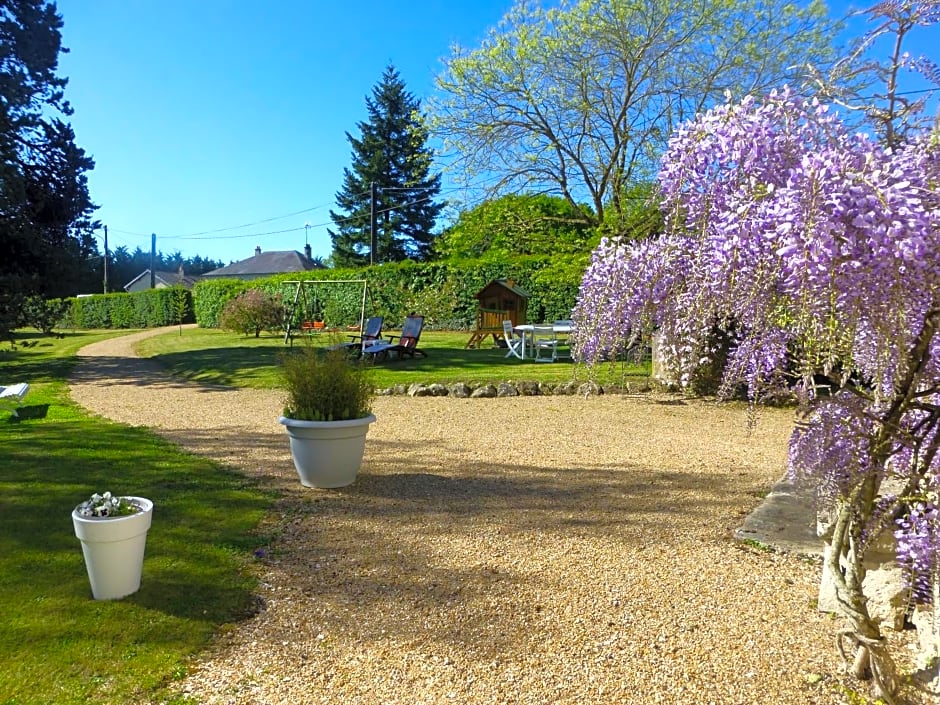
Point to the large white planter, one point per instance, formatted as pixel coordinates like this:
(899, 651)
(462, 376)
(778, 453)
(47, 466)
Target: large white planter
(114, 550)
(327, 454)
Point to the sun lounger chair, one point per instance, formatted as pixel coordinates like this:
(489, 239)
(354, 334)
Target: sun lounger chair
(371, 334)
(407, 342)
(11, 397)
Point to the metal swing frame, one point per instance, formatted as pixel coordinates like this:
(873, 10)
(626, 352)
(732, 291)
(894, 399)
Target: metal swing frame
(300, 293)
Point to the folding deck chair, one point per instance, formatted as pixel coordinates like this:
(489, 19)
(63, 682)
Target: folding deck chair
(11, 397)
(407, 342)
(371, 334)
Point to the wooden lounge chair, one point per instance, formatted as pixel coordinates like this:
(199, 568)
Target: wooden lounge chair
(407, 342)
(11, 397)
(371, 334)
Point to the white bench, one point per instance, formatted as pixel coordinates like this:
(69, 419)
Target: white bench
(11, 397)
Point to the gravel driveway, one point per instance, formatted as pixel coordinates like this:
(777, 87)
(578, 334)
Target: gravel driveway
(516, 550)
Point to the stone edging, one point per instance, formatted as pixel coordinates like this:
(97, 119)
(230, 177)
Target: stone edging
(531, 388)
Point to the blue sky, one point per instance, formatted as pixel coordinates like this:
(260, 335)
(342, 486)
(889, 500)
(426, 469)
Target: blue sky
(206, 115)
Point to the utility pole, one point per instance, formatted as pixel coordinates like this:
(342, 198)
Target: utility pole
(105, 259)
(153, 260)
(373, 237)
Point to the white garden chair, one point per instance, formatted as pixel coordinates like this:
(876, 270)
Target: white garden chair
(544, 340)
(514, 341)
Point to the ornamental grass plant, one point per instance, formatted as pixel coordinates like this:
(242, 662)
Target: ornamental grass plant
(326, 385)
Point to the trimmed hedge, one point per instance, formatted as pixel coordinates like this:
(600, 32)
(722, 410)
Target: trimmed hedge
(210, 297)
(145, 309)
(444, 292)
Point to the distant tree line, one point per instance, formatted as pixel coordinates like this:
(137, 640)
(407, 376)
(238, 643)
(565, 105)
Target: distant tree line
(124, 265)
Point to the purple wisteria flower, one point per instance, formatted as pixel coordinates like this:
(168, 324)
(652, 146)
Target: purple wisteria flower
(820, 250)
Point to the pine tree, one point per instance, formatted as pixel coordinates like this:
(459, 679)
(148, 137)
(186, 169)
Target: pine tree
(392, 154)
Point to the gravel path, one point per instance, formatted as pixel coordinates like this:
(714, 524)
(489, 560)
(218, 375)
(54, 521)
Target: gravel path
(517, 550)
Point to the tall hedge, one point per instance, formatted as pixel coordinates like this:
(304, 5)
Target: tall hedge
(444, 292)
(210, 297)
(145, 309)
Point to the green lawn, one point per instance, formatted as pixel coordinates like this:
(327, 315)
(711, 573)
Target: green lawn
(58, 645)
(218, 357)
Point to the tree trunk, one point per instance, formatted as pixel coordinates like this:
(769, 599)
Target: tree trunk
(869, 658)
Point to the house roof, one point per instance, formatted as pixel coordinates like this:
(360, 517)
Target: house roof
(266, 263)
(165, 278)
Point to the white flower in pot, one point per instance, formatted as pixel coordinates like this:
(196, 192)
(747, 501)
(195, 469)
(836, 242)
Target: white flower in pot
(113, 532)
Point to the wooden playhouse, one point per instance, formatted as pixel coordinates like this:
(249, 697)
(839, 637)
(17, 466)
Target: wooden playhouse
(500, 300)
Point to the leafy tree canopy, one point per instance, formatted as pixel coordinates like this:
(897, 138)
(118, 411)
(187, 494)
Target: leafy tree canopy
(391, 160)
(518, 225)
(45, 211)
(580, 98)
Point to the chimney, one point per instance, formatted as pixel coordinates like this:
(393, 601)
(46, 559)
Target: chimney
(308, 253)
(257, 250)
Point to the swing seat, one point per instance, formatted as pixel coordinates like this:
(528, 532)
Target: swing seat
(304, 315)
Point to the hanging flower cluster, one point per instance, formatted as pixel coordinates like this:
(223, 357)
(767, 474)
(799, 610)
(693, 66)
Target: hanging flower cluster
(820, 250)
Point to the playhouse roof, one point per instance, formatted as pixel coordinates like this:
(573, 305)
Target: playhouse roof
(506, 284)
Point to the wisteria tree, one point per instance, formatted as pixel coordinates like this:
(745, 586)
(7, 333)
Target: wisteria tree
(819, 250)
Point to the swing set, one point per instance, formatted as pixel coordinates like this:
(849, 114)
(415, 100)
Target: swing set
(311, 308)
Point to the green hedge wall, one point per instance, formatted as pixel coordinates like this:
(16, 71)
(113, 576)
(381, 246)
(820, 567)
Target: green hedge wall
(145, 309)
(444, 292)
(210, 297)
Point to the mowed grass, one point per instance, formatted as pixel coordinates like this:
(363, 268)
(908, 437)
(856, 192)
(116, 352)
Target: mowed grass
(211, 356)
(58, 645)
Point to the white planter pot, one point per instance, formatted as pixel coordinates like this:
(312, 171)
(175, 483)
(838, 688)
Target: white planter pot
(327, 454)
(114, 550)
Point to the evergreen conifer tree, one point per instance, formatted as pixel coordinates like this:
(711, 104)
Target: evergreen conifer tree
(392, 154)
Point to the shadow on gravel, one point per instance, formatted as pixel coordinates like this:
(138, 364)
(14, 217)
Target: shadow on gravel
(132, 371)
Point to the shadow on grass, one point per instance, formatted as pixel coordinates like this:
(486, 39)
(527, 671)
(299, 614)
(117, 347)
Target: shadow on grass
(240, 365)
(29, 412)
(204, 516)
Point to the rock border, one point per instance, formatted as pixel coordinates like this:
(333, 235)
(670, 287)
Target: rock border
(521, 388)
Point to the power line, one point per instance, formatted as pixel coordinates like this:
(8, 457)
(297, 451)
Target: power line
(207, 234)
(230, 237)
(257, 222)
(128, 232)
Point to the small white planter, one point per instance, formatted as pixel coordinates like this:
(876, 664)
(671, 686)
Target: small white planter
(114, 550)
(327, 454)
